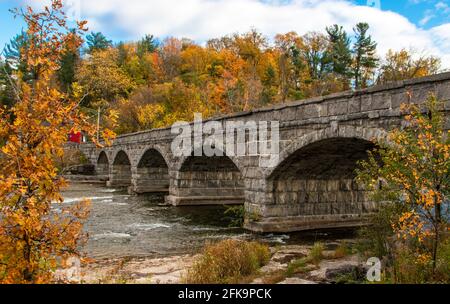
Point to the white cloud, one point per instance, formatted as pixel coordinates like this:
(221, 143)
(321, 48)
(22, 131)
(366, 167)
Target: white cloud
(442, 6)
(427, 17)
(204, 19)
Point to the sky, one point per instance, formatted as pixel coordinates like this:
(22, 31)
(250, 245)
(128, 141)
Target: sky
(420, 24)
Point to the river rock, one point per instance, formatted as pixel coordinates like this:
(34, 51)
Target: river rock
(331, 269)
(296, 281)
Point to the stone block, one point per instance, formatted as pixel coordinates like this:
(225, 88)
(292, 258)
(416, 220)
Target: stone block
(335, 208)
(381, 101)
(337, 108)
(311, 111)
(443, 91)
(354, 104)
(333, 185)
(302, 198)
(313, 197)
(312, 185)
(345, 185)
(366, 103)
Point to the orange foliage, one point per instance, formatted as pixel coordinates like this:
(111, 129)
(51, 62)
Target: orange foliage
(37, 235)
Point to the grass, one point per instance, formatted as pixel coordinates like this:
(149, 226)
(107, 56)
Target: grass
(236, 214)
(342, 251)
(297, 266)
(308, 263)
(228, 262)
(316, 253)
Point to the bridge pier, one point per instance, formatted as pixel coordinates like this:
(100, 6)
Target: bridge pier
(120, 172)
(206, 181)
(151, 174)
(150, 180)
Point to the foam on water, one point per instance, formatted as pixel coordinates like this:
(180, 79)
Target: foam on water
(111, 235)
(118, 204)
(80, 199)
(280, 239)
(110, 190)
(207, 229)
(140, 226)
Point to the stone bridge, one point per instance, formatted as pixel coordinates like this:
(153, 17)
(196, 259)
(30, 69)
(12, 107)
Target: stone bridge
(311, 185)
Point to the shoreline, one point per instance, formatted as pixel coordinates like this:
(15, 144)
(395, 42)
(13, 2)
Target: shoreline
(171, 269)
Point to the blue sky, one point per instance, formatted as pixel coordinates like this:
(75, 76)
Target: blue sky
(420, 24)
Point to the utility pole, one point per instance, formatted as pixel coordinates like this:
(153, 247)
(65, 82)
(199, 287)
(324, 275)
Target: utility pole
(98, 124)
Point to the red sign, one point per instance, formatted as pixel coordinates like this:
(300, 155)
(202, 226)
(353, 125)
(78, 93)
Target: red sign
(75, 137)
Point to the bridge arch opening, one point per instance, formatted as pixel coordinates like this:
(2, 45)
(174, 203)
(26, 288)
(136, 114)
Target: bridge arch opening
(152, 173)
(319, 179)
(121, 170)
(103, 164)
(204, 180)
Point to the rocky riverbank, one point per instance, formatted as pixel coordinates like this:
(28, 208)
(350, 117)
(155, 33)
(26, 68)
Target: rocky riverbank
(286, 266)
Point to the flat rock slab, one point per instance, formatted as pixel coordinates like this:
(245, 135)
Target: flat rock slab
(168, 270)
(296, 281)
(329, 268)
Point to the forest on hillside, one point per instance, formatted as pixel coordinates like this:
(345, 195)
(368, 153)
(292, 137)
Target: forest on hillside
(152, 83)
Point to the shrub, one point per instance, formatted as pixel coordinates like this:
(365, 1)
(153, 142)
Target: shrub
(297, 266)
(316, 253)
(228, 262)
(342, 250)
(236, 215)
(377, 239)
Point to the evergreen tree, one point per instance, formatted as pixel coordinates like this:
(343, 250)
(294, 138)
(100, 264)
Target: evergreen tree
(4, 96)
(68, 62)
(340, 53)
(148, 44)
(13, 62)
(66, 74)
(97, 41)
(365, 58)
(12, 54)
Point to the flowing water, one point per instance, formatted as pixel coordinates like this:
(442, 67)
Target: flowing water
(122, 225)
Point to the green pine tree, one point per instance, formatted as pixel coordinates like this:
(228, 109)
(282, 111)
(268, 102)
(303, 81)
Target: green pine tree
(148, 44)
(340, 54)
(97, 41)
(365, 59)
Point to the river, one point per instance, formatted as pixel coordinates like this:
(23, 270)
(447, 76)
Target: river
(122, 225)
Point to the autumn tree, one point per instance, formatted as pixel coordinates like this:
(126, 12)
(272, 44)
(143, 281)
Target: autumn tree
(365, 58)
(406, 64)
(411, 169)
(37, 233)
(102, 79)
(291, 65)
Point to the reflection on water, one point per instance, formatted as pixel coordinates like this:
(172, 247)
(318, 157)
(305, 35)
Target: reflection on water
(122, 225)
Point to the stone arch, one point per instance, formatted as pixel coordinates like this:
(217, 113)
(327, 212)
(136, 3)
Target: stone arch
(121, 174)
(202, 180)
(102, 164)
(315, 175)
(152, 173)
(235, 160)
(367, 134)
